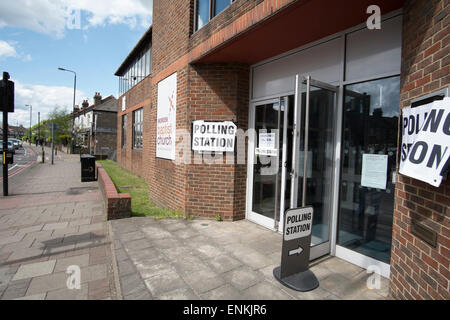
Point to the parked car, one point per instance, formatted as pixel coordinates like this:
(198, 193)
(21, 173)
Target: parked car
(10, 146)
(16, 143)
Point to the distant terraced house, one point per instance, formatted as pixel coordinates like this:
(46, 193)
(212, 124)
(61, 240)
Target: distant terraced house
(95, 127)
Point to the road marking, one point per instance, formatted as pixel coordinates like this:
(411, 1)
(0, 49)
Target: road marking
(23, 167)
(12, 167)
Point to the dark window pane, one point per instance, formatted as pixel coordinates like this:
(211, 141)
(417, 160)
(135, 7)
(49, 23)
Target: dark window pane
(124, 130)
(202, 13)
(220, 5)
(371, 111)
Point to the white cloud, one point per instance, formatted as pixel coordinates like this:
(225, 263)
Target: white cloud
(7, 50)
(43, 99)
(55, 16)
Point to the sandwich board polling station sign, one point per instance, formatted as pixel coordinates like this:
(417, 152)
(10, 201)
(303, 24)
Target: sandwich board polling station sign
(294, 269)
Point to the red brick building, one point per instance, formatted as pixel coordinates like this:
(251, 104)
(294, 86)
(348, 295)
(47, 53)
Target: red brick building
(315, 89)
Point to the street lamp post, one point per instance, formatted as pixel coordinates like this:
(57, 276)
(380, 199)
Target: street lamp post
(73, 107)
(31, 109)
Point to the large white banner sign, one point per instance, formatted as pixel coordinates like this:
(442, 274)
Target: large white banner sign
(426, 141)
(166, 122)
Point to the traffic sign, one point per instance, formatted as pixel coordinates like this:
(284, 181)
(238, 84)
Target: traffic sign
(294, 271)
(55, 126)
(6, 94)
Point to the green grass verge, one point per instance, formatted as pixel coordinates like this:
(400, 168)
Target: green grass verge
(127, 182)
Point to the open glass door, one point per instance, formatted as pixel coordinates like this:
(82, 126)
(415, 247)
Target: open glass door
(292, 135)
(312, 157)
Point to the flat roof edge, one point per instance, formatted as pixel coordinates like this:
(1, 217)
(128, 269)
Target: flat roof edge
(147, 36)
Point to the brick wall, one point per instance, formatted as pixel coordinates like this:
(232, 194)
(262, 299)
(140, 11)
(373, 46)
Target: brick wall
(118, 205)
(106, 134)
(418, 270)
(218, 92)
(223, 19)
(167, 180)
(137, 97)
(207, 92)
(172, 25)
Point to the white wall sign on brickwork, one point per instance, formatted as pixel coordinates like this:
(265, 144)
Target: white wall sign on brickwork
(213, 136)
(166, 123)
(426, 141)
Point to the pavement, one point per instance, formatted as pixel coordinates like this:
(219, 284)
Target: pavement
(52, 229)
(210, 260)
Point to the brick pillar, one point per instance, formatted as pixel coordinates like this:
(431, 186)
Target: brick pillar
(218, 92)
(418, 270)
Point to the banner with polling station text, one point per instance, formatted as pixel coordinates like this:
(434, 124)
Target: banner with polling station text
(425, 147)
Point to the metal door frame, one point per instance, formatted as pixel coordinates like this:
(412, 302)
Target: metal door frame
(323, 248)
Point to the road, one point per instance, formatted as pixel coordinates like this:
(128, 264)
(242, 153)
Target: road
(23, 158)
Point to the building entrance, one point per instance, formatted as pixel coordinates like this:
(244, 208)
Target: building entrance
(291, 158)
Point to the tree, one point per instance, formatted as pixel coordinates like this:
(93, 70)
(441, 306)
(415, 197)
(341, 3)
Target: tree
(63, 122)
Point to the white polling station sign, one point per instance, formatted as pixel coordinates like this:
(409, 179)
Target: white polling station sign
(298, 223)
(426, 141)
(213, 136)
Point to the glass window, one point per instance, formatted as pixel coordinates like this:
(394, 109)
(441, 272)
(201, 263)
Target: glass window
(220, 5)
(141, 68)
(133, 75)
(125, 81)
(149, 58)
(370, 123)
(202, 13)
(137, 71)
(137, 129)
(124, 130)
(206, 9)
(144, 65)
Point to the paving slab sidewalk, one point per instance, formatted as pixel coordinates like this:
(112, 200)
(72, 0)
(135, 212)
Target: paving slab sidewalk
(51, 226)
(204, 259)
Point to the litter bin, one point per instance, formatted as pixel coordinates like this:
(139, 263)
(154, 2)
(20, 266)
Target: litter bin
(87, 168)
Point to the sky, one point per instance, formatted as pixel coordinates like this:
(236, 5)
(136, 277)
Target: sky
(89, 37)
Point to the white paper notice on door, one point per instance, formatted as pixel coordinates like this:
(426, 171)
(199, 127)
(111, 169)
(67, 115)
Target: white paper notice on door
(267, 140)
(374, 171)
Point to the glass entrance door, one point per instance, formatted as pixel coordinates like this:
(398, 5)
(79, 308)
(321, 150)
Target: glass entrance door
(293, 135)
(272, 137)
(312, 169)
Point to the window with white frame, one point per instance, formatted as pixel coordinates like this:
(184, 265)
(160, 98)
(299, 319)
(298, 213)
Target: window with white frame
(205, 10)
(137, 128)
(137, 71)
